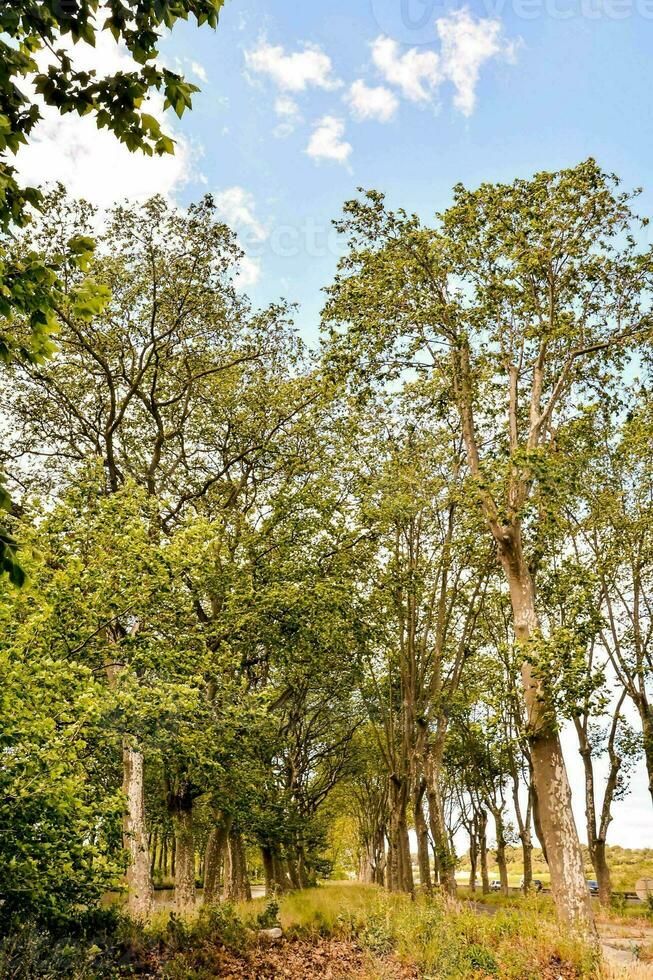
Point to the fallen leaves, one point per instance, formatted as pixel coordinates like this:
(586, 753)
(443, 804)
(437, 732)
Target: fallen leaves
(294, 959)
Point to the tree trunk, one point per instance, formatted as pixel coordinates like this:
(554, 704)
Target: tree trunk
(646, 716)
(446, 860)
(140, 894)
(422, 833)
(473, 860)
(293, 872)
(380, 858)
(154, 840)
(215, 848)
(304, 879)
(602, 872)
(268, 871)
(482, 842)
(527, 853)
(537, 823)
(366, 863)
(549, 771)
(245, 891)
(182, 821)
(162, 864)
(501, 851)
(400, 876)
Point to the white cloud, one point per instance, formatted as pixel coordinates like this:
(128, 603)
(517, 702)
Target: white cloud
(466, 46)
(371, 102)
(326, 142)
(416, 73)
(236, 206)
(285, 106)
(199, 71)
(90, 162)
(249, 273)
(293, 72)
(289, 113)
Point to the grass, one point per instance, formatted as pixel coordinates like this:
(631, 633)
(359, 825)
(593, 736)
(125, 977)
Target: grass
(443, 939)
(627, 866)
(436, 940)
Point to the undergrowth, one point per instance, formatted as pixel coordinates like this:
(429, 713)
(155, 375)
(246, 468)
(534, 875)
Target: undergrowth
(442, 939)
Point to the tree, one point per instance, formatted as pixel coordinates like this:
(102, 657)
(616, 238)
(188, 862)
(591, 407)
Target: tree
(612, 533)
(177, 386)
(426, 580)
(36, 56)
(526, 297)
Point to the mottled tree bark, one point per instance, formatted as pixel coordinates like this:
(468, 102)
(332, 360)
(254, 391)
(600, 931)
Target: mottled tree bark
(140, 893)
(182, 821)
(549, 771)
(213, 858)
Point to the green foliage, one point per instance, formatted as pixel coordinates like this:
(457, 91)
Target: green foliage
(269, 917)
(35, 47)
(59, 822)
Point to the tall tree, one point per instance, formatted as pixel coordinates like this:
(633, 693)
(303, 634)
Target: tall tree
(38, 59)
(525, 296)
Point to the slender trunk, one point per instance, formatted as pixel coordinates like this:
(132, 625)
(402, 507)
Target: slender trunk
(549, 771)
(215, 847)
(154, 840)
(268, 871)
(140, 894)
(436, 864)
(524, 824)
(482, 843)
(400, 876)
(646, 716)
(407, 881)
(304, 880)
(293, 872)
(537, 823)
(280, 874)
(366, 863)
(446, 861)
(182, 821)
(527, 853)
(602, 872)
(380, 858)
(244, 888)
(501, 850)
(229, 873)
(422, 833)
(473, 859)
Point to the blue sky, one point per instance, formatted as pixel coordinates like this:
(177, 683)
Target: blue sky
(569, 79)
(303, 103)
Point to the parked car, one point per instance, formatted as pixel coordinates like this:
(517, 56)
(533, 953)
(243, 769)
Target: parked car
(495, 885)
(593, 886)
(536, 883)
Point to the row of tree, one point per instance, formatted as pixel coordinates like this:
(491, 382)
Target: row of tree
(264, 584)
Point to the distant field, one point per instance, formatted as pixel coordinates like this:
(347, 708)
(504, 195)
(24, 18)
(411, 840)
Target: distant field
(627, 865)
